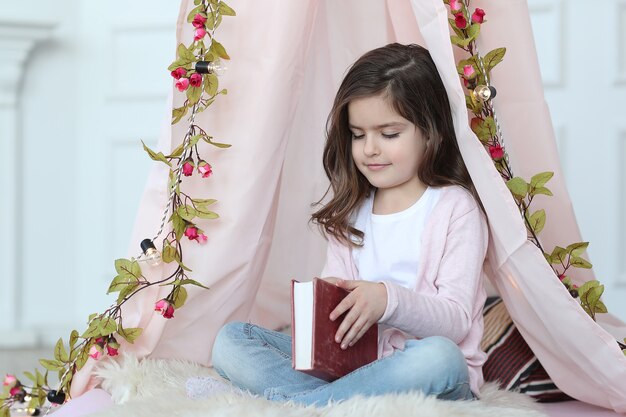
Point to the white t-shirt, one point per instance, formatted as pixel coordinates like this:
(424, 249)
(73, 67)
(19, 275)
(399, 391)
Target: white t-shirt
(392, 242)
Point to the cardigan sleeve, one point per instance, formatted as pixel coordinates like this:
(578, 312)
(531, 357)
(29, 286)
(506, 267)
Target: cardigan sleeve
(449, 312)
(337, 258)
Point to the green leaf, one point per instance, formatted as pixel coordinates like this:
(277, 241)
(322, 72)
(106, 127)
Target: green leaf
(82, 358)
(218, 49)
(156, 156)
(130, 334)
(169, 254)
(30, 376)
(60, 353)
(518, 186)
(73, 338)
(179, 225)
(187, 212)
(128, 268)
(203, 202)
(211, 84)
(51, 365)
(473, 31)
(559, 255)
(185, 53)
(579, 262)
(194, 139)
(178, 114)
(577, 249)
(219, 145)
(194, 94)
(178, 151)
(41, 379)
(538, 220)
(225, 10)
(179, 63)
(193, 12)
(179, 296)
(601, 307)
(4, 411)
(126, 292)
(120, 282)
(207, 214)
(459, 41)
(493, 58)
(587, 286)
(93, 329)
(108, 326)
(193, 282)
(539, 180)
(484, 129)
(540, 190)
(210, 21)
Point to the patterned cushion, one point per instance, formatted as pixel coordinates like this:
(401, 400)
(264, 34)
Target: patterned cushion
(510, 360)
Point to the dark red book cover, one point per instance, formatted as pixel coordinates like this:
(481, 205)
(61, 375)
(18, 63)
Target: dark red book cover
(329, 361)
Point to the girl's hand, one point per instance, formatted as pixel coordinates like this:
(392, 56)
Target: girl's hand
(366, 303)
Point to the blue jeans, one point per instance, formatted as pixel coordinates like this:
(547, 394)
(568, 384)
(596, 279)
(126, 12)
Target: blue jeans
(259, 360)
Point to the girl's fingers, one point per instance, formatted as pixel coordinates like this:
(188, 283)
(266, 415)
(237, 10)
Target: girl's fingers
(342, 307)
(351, 338)
(345, 326)
(361, 332)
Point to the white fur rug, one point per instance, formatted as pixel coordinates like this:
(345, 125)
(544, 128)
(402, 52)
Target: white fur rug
(156, 388)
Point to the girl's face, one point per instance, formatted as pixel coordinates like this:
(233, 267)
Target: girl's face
(386, 148)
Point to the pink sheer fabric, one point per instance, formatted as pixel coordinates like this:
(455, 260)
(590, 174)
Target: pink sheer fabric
(287, 61)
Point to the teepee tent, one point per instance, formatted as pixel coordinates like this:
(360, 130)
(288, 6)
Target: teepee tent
(287, 59)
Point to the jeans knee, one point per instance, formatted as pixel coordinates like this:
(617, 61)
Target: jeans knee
(443, 357)
(225, 342)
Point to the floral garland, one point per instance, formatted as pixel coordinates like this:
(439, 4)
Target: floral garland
(475, 73)
(195, 72)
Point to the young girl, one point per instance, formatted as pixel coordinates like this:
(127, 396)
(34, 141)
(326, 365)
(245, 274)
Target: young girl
(407, 237)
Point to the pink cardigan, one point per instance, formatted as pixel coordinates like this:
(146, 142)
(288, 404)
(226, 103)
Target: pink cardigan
(449, 295)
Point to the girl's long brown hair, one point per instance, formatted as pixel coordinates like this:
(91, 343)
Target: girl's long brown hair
(406, 75)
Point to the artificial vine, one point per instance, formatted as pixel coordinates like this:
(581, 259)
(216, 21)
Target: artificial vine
(475, 71)
(195, 72)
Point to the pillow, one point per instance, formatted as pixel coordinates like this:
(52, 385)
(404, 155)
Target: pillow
(510, 362)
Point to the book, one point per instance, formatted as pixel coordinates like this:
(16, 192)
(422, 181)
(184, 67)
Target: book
(314, 350)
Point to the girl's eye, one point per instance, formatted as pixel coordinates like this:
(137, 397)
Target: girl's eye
(393, 135)
(357, 137)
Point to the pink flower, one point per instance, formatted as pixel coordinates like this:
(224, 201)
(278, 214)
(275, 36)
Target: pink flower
(200, 33)
(204, 168)
(191, 232)
(195, 80)
(95, 352)
(9, 380)
(182, 84)
(100, 341)
(198, 21)
(460, 21)
(202, 238)
(496, 152)
(468, 70)
(562, 276)
(165, 308)
(111, 351)
(455, 6)
(188, 167)
(16, 390)
(478, 16)
(178, 73)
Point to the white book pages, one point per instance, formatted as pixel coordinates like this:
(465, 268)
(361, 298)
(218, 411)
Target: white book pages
(303, 324)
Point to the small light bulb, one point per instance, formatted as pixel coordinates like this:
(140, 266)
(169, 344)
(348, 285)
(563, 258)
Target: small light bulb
(151, 254)
(27, 398)
(483, 93)
(216, 67)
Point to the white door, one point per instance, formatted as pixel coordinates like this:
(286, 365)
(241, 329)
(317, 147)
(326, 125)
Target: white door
(582, 53)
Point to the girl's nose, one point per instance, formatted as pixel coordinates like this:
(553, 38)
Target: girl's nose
(370, 148)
